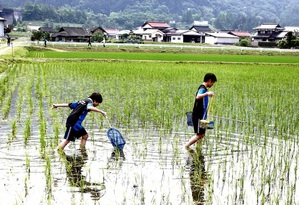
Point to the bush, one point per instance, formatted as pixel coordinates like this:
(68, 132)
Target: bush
(282, 44)
(295, 43)
(244, 42)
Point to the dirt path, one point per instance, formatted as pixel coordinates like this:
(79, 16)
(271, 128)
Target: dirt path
(4, 49)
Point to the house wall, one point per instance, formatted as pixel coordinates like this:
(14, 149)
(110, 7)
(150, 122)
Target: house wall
(227, 40)
(147, 37)
(71, 39)
(218, 40)
(153, 37)
(177, 39)
(159, 37)
(1, 28)
(210, 40)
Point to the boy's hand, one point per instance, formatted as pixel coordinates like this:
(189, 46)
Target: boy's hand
(104, 114)
(210, 93)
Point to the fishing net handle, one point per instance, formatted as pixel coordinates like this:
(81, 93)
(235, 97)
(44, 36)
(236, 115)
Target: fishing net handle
(108, 122)
(210, 105)
(207, 113)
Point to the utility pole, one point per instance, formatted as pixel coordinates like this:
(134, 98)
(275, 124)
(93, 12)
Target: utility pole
(11, 49)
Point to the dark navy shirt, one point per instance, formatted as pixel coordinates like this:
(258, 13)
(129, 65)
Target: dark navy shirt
(78, 114)
(201, 105)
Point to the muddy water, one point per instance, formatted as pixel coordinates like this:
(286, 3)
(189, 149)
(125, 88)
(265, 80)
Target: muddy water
(150, 173)
(229, 168)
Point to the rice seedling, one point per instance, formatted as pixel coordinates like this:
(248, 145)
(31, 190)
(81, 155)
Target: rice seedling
(14, 128)
(6, 106)
(48, 174)
(27, 164)
(27, 131)
(166, 56)
(26, 185)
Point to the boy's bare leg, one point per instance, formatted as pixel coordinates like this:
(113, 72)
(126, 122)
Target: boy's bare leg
(62, 144)
(194, 139)
(83, 141)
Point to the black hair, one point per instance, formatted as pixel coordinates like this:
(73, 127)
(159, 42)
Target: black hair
(210, 76)
(96, 97)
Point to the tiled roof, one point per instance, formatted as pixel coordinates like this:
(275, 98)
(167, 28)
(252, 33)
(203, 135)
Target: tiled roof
(47, 29)
(203, 28)
(111, 30)
(222, 35)
(93, 29)
(74, 31)
(155, 24)
(240, 33)
(152, 31)
(184, 33)
(268, 27)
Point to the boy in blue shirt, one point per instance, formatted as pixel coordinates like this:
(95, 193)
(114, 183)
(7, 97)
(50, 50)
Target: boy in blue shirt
(80, 109)
(200, 107)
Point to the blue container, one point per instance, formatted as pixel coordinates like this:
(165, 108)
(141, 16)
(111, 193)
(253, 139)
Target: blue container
(189, 118)
(210, 125)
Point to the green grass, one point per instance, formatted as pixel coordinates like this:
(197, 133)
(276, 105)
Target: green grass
(166, 57)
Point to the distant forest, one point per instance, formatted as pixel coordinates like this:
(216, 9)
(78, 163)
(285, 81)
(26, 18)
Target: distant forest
(129, 14)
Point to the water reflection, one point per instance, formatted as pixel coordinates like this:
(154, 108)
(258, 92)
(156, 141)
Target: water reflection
(118, 154)
(74, 164)
(198, 176)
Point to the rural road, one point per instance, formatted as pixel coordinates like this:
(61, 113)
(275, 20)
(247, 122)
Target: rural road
(4, 49)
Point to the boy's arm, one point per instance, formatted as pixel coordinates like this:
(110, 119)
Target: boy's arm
(60, 105)
(200, 96)
(94, 109)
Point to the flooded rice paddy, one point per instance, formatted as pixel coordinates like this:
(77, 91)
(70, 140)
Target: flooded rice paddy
(251, 162)
(156, 170)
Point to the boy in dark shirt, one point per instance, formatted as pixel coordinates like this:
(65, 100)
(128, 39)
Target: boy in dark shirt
(200, 107)
(80, 109)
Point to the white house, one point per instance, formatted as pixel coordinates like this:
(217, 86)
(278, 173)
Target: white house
(220, 38)
(181, 36)
(177, 37)
(2, 21)
(154, 35)
(122, 32)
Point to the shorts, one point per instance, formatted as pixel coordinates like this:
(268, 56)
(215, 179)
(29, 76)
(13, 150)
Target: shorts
(72, 135)
(196, 126)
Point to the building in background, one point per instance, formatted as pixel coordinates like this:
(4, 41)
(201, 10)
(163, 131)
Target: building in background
(2, 26)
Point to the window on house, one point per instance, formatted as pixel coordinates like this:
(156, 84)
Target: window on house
(179, 38)
(173, 38)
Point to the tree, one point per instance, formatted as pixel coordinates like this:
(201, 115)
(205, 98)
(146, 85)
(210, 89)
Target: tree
(37, 35)
(290, 41)
(244, 42)
(187, 17)
(290, 38)
(282, 44)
